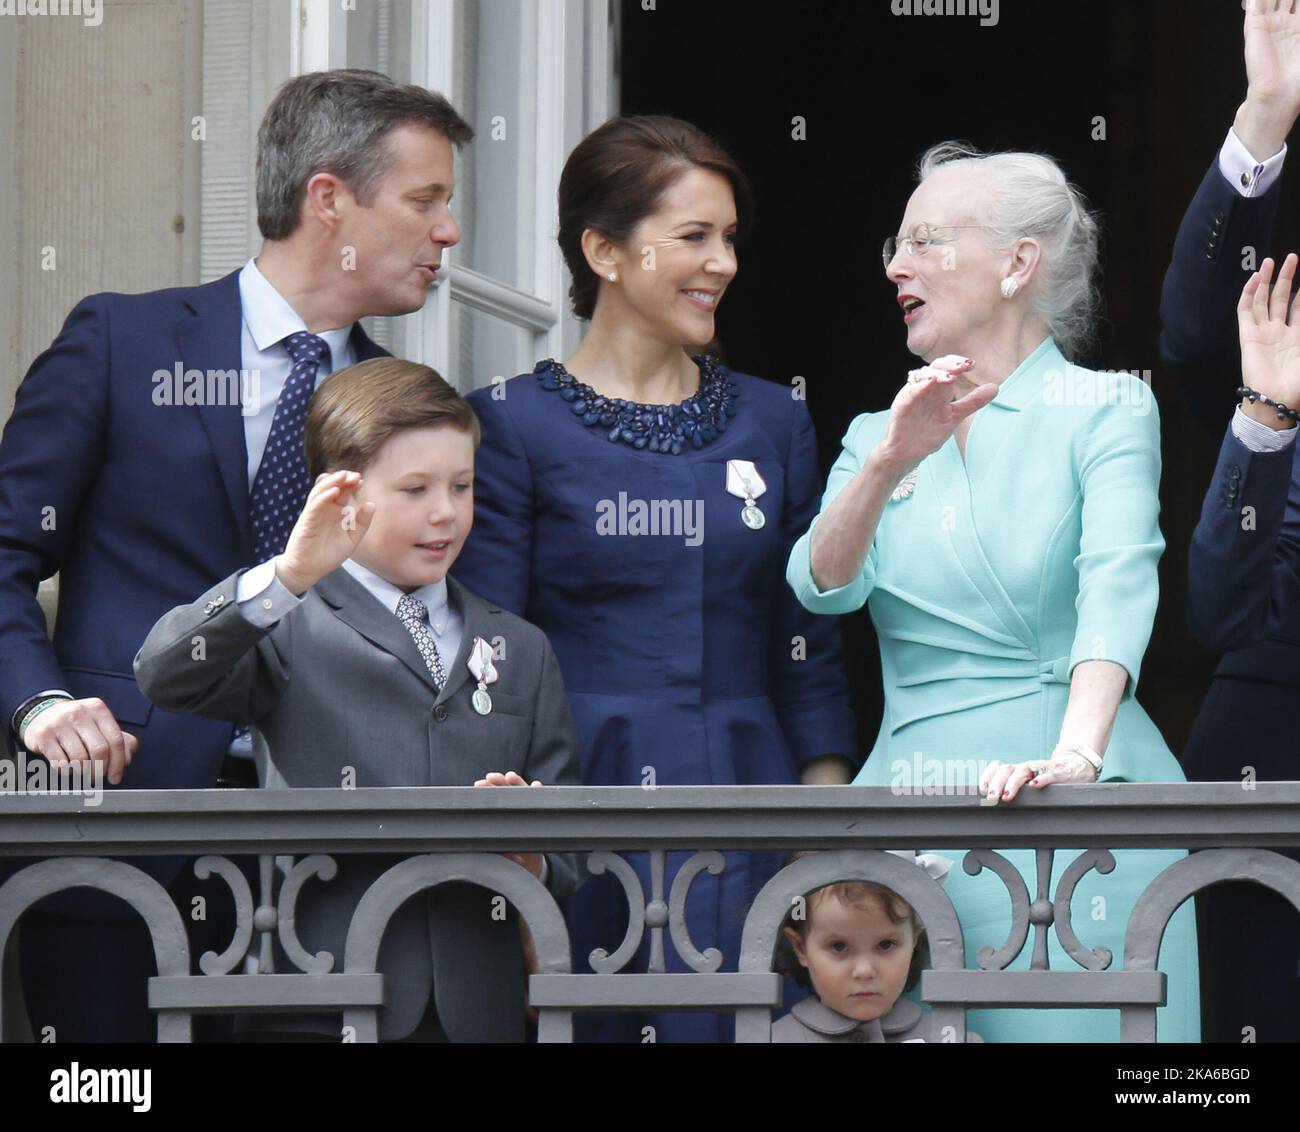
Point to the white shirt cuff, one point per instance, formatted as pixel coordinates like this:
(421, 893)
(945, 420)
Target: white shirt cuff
(1259, 437)
(1249, 177)
(52, 692)
(262, 597)
(546, 870)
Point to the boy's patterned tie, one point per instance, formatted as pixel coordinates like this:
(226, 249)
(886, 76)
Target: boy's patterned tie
(281, 484)
(414, 614)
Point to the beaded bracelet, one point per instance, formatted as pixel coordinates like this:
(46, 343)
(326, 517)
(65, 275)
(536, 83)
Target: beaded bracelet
(1283, 413)
(41, 706)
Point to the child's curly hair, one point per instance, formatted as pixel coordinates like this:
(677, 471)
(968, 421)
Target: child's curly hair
(857, 894)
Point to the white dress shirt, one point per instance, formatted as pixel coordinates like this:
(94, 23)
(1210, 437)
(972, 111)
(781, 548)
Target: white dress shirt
(268, 321)
(1259, 437)
(1251, 178)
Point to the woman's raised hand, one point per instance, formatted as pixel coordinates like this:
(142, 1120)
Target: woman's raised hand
(927, 410)
(1270, 344)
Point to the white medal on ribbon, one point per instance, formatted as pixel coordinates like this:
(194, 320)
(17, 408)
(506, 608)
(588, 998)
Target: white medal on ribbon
(744, 482)
(484, 671)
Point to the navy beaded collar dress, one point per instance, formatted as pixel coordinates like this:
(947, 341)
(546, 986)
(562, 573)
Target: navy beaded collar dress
(686, 658)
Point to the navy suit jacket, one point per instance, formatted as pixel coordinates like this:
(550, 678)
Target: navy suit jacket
(137, 505)
(1243, 591)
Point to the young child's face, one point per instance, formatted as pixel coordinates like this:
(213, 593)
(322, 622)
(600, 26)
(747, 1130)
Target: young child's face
(422, 484)
(857, 957)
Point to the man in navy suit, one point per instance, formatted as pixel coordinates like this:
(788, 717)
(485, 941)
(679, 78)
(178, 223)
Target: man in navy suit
(1250, 936)
(156, 448)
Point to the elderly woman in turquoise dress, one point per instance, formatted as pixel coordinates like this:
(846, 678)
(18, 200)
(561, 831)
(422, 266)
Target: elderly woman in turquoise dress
(1000, 522)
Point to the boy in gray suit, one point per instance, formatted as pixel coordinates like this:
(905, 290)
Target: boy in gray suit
(359, 662)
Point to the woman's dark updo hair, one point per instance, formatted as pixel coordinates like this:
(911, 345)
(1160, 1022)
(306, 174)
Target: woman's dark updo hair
(616, 177)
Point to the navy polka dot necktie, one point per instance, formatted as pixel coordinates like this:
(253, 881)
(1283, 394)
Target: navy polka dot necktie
(281, 484)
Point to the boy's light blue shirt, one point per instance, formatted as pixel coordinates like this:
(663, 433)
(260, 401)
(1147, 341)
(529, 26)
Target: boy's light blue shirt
(268, 321)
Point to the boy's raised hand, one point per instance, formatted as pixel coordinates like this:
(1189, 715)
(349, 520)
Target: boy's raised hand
(328, 531)
(531, 861)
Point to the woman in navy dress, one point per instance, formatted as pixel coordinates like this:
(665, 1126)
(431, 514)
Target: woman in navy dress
(638, 502)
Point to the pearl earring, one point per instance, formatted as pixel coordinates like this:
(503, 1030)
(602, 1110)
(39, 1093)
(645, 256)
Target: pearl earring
(1009, 287)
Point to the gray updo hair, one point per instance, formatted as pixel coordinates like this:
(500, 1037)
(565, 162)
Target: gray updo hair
(1033, 197)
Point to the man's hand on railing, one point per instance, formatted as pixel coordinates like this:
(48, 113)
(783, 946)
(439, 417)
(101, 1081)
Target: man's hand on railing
(81, 731)
(531, 861)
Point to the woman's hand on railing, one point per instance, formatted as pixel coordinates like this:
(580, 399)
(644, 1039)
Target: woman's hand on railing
(1002, 781)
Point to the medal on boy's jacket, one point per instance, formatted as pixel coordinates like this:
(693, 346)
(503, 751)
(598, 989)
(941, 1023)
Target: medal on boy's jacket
(484, 671)
(744, 482)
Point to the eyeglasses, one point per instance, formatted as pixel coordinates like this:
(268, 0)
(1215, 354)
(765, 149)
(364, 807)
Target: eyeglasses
(921, 238)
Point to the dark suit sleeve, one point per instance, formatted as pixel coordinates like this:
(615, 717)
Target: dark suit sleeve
(50, 456)
(206, 659)
(809, 684)
(553, 760)
(1220, 231)
(496, 562)
(1244, 561)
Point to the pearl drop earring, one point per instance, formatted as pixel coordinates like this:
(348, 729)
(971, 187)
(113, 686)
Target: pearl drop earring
(1010, 285)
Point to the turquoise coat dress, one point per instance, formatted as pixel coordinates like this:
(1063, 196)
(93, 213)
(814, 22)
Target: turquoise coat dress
(987, 586)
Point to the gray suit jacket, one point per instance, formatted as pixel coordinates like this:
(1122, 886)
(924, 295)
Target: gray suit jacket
(338, 693)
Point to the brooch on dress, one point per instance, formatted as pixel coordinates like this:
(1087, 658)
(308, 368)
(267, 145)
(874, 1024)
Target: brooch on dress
(905, 487)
